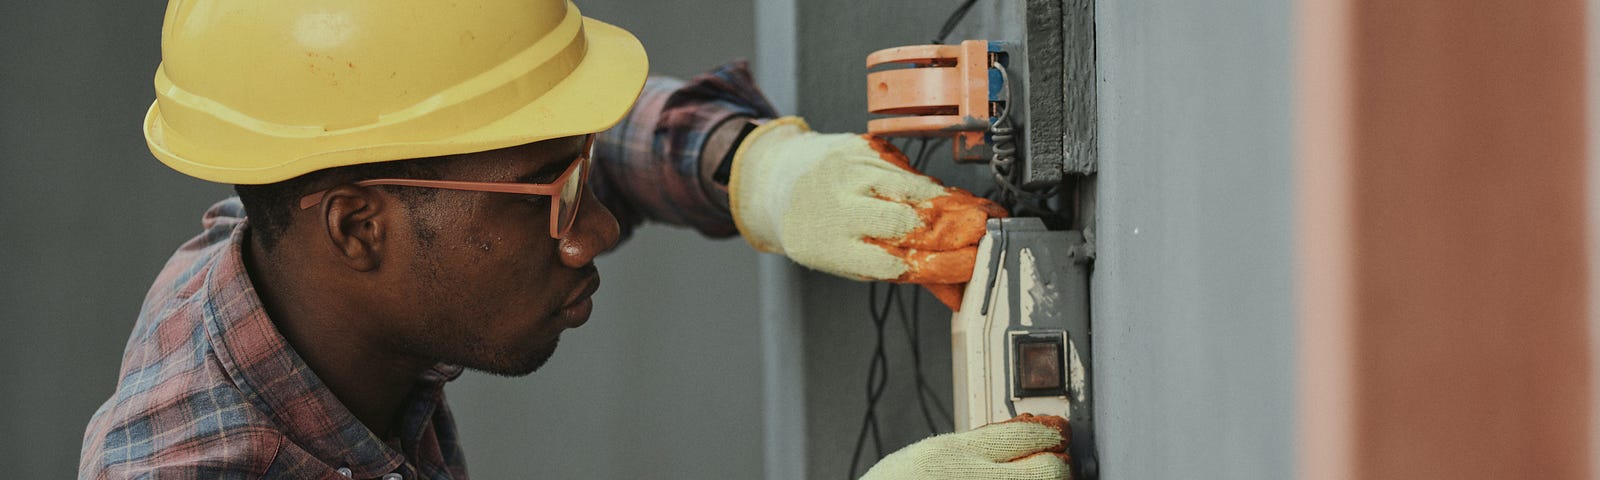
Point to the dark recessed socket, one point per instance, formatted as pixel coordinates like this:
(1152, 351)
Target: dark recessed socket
(1039, 367)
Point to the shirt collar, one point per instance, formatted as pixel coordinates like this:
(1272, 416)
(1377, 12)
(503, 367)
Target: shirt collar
(277, 381)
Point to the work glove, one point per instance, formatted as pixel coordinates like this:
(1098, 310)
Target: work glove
(851, 205)
(1024, 448)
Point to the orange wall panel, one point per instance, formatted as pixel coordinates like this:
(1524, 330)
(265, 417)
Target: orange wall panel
(1445, 330)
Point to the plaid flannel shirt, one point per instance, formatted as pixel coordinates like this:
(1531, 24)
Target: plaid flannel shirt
(647, 167)
(209, 389)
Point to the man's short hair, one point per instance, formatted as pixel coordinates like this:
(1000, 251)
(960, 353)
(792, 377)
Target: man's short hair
(270, 207)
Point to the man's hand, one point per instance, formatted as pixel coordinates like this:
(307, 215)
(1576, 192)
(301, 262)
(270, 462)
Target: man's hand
(851, 205)
(1024, 448)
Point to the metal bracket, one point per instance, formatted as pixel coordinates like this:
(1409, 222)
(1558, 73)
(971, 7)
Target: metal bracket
(947, 91)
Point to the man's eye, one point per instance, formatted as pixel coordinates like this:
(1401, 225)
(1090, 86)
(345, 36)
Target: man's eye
(540, 200)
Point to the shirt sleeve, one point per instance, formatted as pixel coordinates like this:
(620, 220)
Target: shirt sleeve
(647, 168)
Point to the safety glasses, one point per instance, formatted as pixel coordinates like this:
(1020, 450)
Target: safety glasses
(566, 191)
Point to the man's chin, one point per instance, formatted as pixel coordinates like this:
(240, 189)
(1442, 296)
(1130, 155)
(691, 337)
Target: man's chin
(516, 363)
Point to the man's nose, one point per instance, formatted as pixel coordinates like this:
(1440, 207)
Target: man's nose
(593, 232)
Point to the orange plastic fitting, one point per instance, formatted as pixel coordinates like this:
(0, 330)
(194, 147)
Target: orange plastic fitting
(946, 91)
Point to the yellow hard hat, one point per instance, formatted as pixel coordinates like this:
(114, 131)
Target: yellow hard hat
(253, 91)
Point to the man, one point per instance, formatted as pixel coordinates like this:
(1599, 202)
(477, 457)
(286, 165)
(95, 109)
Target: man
(417, 196)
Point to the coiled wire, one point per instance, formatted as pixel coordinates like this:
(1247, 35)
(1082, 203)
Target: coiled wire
(1002, 164)
(1003, 142)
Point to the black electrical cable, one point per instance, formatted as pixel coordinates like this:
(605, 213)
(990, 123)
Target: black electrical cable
(954, 19)
(924, 391)
(878, 369)
(925, 150)
(904, 146)
(877, 380)
(913, 328)
(876, 388)
(919, 161)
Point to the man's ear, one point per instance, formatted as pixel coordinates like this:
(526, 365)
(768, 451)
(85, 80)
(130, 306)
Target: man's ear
(356, 222)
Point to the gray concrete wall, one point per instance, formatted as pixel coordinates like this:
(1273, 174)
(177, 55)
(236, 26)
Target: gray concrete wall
(1193, 317)
(661, 383)
(87, 216)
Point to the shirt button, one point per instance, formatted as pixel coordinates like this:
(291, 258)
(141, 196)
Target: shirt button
(344, 471)
(393, 476)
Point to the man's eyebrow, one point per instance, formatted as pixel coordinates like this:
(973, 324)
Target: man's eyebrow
(548, 172)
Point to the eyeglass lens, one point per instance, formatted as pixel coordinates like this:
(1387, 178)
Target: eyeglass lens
(571, 195)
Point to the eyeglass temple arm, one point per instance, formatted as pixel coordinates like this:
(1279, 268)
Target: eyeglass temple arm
(313, 199)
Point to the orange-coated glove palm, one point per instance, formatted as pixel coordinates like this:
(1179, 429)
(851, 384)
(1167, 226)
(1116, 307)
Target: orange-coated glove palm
(851, 205)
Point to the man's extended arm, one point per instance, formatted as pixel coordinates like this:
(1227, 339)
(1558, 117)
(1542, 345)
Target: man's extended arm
(649, 166)
(845, 204)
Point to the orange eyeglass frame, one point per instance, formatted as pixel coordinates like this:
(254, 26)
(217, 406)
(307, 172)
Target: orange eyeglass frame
(558, 226)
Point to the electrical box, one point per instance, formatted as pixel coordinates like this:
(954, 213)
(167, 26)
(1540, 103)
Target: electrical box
(1021, 339)
(1021, 105)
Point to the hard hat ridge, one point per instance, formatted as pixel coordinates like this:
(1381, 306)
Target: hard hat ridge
(258, 92)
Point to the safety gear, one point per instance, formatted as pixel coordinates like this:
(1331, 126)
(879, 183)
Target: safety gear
(255, 92)
(851, 205)
(1024, 448)
(566, 191)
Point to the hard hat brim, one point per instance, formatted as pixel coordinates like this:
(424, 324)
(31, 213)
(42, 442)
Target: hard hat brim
(595, 96)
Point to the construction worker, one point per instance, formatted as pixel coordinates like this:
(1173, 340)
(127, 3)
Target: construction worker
(423, 187)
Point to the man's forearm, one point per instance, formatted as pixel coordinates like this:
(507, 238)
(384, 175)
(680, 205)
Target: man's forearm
(717, 151)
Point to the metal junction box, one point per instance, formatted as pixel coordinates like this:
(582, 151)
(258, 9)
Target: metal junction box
(1021, 340)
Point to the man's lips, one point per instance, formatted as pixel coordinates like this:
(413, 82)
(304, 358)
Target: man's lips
(590, 285)
(577, 308)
